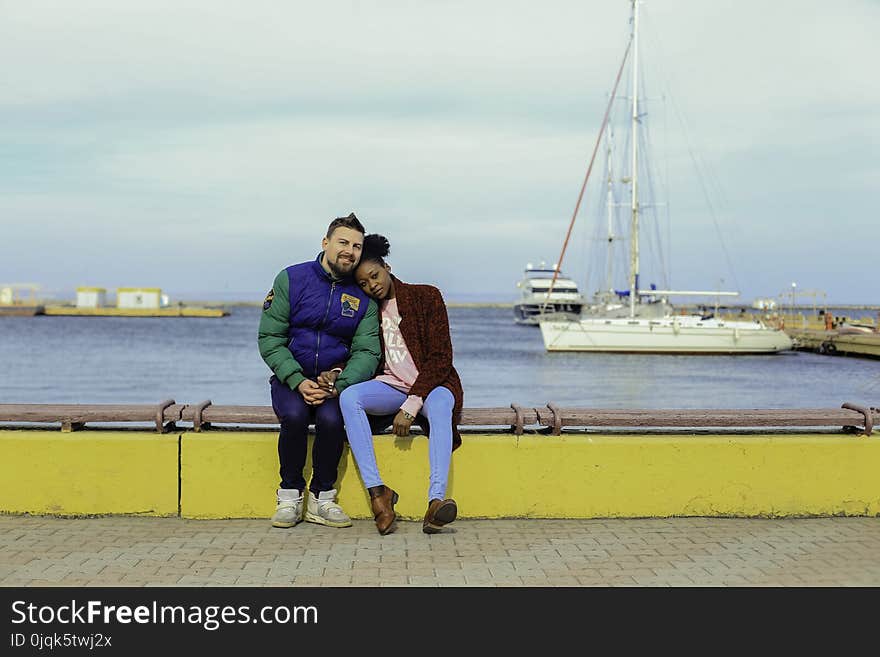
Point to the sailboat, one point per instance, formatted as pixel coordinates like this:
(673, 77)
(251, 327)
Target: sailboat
(643, 320)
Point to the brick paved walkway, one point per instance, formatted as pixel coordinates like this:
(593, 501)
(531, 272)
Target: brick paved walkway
(130, 551)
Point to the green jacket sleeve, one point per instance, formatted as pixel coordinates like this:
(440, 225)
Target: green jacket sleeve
(364, 356)
(272, 337)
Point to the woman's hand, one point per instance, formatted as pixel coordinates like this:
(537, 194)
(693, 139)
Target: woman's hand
(327, 380)
(402, 423)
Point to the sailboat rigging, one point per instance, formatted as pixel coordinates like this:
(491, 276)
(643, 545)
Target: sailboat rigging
(647, 322)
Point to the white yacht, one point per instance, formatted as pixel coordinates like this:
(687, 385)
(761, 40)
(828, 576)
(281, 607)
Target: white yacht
(545, 292)
(638, 319)
(679, 334)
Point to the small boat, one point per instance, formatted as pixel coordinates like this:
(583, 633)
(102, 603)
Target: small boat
(537, 301)
(855, 329)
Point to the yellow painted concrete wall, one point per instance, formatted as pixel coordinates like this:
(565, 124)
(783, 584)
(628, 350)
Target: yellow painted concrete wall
(571, 476)
(88, 473)
(234, 474)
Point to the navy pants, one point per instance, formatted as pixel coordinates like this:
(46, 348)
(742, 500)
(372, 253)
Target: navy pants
(295, 417)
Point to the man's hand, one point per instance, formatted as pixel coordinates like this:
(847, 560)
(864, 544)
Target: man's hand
(402, 423)
(312, 393)
(327, 380)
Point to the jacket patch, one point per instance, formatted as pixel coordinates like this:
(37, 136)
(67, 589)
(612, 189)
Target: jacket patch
(269, 297)
(350, 305)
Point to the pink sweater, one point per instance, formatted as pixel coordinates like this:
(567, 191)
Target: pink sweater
(400, 371)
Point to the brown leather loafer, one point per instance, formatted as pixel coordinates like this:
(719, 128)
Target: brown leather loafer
(382, 504)
(439, 513)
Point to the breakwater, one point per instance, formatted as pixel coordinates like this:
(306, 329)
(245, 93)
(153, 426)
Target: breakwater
(205, 461)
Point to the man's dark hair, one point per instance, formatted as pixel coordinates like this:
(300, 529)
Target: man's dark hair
(345, 222)
(376, 248)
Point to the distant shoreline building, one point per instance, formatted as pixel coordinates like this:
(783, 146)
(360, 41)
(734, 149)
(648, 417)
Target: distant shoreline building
(140, 297)
(91, 297)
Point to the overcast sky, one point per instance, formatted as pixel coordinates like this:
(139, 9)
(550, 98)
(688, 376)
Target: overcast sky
(200, 147)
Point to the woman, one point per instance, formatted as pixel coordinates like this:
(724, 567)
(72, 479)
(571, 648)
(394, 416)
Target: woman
(416, 379)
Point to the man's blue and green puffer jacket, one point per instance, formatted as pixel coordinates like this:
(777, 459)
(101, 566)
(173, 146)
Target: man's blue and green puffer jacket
(312, 322)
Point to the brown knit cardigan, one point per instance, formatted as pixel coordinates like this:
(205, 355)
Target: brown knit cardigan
(424, 326)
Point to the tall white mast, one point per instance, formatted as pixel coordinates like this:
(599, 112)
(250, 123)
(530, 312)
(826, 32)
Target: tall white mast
(634, 236)
(609, 204)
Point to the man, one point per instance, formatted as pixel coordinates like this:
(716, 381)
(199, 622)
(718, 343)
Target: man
(319, 333)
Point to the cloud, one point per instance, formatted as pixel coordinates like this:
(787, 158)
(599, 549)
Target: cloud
(462, 129)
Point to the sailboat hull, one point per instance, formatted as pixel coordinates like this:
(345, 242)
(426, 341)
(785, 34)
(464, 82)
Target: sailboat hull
(675, 335)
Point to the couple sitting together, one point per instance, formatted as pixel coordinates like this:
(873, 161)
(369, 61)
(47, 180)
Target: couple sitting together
(353, 350)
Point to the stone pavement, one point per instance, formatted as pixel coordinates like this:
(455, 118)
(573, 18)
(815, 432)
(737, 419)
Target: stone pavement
(140, 551)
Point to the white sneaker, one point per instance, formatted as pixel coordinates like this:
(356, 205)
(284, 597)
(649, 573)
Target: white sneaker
(290, 508)
(325, 511)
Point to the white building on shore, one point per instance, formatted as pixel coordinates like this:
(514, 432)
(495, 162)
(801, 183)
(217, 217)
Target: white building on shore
(139, 297)
(91, 297)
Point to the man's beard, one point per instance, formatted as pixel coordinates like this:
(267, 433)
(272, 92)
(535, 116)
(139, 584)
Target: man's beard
(340, 273)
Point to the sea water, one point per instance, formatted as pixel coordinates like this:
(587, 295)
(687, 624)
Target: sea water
(105, 360)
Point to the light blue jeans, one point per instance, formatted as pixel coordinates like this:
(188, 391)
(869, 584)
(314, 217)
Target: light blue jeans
(377, 398)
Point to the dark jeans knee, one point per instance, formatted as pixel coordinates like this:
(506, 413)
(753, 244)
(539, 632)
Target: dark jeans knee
(328, 418)
(289, 406)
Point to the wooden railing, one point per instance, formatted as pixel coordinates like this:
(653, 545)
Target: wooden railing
(551, 419)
